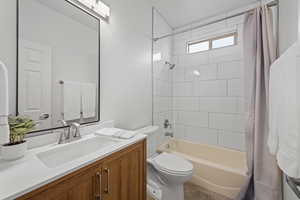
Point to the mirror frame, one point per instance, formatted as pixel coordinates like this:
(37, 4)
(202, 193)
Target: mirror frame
(50, 130)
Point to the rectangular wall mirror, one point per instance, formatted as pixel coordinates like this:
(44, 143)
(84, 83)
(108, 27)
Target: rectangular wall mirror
(58, 74)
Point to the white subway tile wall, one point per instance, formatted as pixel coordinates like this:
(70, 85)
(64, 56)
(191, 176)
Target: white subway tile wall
(229, 122)
(235, 88)
(202, 135)
(211, 88)
(208, 88)
(230, 70)
(218, 104)
(199, 119)
(203, 72)
(182, 89)
(186, 103)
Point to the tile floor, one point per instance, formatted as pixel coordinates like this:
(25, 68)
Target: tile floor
(193, 192)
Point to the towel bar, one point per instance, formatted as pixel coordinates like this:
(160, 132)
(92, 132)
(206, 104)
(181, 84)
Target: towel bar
(294, 184)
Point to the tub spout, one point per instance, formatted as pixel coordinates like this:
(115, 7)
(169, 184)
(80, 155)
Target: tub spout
(4, 128)
(169, 134)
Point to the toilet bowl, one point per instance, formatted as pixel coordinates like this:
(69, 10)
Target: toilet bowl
(171, 172)
(166, 172)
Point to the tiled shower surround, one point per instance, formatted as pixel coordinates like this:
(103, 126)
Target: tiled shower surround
(203, 94)
(208, 88)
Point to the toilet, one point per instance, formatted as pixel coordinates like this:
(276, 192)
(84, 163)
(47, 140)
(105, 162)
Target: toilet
(172, 172)
(168, 172)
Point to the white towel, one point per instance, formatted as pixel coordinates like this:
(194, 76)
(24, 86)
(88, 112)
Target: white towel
(72, 100)
(284, 112)
(88, 95)
(127, 134)
(117, 133)
(108, 131)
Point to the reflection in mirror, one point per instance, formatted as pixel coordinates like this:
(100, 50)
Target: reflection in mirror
(58, 63)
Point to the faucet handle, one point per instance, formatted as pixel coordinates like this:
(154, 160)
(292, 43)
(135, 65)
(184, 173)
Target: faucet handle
(167, 123)
(75, 126)
(65, 135)
(62, 122)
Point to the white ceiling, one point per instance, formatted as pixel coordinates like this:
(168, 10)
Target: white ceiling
(182, 12)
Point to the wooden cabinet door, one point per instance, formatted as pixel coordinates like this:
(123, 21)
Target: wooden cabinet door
(111, 179)
(124, 175)
(85, 185)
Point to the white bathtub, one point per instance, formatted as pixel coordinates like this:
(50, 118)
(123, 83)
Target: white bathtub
(219, 170)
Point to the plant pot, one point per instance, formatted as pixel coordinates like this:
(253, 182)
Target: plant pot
(13, 152)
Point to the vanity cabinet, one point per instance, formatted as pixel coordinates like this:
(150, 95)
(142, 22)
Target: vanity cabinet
(120, 176)
(123, 176)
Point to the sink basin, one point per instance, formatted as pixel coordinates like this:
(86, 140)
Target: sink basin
(72, 151)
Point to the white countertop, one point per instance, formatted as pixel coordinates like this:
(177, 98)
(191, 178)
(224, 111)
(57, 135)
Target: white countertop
(29, 173)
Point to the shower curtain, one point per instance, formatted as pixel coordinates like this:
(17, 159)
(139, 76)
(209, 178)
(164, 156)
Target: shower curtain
(264, 181)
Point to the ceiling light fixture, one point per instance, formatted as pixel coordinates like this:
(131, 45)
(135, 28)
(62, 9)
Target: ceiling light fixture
(97, 7)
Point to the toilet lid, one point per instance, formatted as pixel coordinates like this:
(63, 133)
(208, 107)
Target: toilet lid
(172, 163)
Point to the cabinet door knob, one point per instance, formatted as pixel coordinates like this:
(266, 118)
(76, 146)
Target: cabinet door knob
(106, 189)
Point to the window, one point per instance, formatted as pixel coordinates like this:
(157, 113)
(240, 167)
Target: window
(224, 41)
(198, 47)
(213, 43)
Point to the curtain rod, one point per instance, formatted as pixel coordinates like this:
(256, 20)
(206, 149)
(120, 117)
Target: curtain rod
(271, 4)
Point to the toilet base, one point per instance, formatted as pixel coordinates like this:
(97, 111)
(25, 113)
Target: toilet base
(169, 184)
(173, 192)
(168, 191)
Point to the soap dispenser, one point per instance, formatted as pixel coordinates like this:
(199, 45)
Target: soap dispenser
(4, 127)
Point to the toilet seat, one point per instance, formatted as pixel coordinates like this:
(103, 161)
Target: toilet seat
(172, 164)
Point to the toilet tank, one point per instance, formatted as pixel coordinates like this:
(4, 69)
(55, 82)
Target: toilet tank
(152, 133)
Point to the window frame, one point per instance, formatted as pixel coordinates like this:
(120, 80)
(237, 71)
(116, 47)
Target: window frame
(210, 40)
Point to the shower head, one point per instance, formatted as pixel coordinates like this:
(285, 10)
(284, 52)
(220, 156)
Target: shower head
(171, 66)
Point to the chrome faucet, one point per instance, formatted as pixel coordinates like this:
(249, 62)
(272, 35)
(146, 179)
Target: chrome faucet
(168, 127)
(167, 124)
(75, 131)
(65, 135)
(70, 133)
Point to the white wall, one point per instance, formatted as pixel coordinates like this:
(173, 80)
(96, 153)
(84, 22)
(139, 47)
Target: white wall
(8, 46)
(162, 76)
(126, 89)
(288, 23)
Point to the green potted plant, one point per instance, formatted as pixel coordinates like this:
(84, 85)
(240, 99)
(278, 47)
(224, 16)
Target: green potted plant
(16, 148)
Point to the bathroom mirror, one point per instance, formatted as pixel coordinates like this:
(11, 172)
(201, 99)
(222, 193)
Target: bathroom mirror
(58, 63)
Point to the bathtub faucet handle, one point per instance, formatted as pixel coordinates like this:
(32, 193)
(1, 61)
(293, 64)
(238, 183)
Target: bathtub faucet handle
(167, 124)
